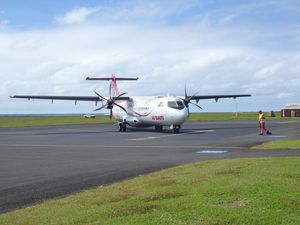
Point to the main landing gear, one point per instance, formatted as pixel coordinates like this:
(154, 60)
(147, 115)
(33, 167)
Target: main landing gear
(158, 128)
(122, 127)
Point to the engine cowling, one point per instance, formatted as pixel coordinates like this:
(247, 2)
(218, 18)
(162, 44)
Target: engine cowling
(131, 120)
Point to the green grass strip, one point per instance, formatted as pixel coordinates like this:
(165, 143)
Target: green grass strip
(239, 191)
(253, 116)
(285, 144)
(31, 121)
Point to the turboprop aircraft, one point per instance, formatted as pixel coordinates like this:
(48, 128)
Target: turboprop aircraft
(140, 111)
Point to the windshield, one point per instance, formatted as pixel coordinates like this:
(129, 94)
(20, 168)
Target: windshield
(175, 104)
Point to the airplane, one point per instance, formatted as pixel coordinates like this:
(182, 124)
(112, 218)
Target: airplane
(140, 111)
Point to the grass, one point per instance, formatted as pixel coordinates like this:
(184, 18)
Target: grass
(239, 191)
(10, 121)
(253, 116)
(30, 121)
(286, 144)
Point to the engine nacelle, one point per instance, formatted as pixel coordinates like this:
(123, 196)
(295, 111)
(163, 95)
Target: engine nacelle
(131, 120)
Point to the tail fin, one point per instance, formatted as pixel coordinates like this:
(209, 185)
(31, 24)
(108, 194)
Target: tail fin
(113, 85)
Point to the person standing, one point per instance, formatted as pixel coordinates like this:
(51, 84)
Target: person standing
(261, 119)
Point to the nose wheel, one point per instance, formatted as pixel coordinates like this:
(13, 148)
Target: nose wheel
(176, 129)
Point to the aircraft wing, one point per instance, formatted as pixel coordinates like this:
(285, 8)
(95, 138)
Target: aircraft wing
(72, 98)
(216, 97)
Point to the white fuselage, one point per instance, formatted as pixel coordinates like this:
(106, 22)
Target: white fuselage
(146, 111)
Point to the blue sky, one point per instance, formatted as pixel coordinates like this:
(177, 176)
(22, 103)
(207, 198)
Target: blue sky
(215, 47)
(33, 14)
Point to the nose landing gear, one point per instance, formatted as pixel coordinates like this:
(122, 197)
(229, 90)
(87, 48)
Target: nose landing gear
(176, 129)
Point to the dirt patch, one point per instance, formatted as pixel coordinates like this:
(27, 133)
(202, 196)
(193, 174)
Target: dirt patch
(161, 196)
(232, 170)
(133, 210)
(233, 204)
(163, 181)
(116, 196)
(289, 202)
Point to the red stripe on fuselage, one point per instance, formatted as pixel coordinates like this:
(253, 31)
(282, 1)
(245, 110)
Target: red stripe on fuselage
(141, 115)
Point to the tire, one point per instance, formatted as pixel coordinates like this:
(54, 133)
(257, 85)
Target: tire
(176, 130)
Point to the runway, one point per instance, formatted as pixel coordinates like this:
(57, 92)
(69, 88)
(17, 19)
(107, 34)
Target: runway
(39, 163)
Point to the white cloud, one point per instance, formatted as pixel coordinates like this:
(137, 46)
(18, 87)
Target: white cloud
(78, 15)
(4, 23)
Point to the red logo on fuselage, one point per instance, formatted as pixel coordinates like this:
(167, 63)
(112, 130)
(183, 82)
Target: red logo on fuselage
(158, 118)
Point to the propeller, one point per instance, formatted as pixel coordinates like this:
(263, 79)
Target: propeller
(110, 102)
(187, 100)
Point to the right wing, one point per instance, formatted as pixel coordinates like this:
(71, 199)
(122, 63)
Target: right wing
(216, 97)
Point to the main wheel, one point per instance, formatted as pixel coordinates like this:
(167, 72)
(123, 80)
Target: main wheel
(158, 128)
(122, 127)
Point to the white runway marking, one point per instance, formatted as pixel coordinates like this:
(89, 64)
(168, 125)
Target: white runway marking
(75, 130)
(211, 152)
(277, 136)
(286, 122)
(170, 135)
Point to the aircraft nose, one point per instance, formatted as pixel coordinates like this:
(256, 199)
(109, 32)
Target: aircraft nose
(182, 116)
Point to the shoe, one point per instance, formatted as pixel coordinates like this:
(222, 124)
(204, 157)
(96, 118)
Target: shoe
(261, 134)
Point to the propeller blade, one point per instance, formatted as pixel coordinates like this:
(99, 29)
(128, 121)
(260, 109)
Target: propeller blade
(120, 107)
(121, 94)
(100, 96)
(193, 96)
(196, 105)
(110, 90)
(110, 114)
(185, 93)
(102, 107)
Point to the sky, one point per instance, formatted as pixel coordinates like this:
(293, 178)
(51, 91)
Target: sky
(210, 46)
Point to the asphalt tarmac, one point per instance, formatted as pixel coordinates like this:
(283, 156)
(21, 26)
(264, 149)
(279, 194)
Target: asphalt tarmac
(40, 163)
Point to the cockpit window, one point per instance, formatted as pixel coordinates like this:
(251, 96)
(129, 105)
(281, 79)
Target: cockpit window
(175, 104)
